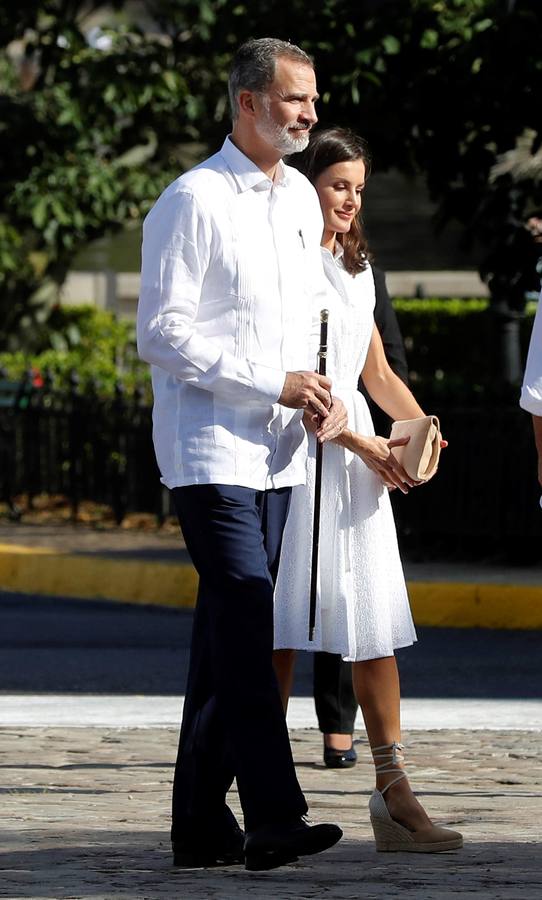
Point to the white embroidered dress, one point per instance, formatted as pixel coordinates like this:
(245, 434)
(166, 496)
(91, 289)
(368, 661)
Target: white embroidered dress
(362, 608)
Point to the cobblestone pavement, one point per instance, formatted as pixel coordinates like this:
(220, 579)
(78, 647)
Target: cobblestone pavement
(85, 815)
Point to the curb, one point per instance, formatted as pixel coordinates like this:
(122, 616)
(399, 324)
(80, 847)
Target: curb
(472, 605)
(94, 577)
(32, 570)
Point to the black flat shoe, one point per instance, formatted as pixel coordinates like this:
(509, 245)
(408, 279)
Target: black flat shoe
(271, 846)
(340, 759)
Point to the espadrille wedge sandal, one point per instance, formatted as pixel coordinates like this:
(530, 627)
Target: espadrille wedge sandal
(390, 836)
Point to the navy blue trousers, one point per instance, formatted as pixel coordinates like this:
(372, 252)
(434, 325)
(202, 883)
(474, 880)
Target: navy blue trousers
(233, 723)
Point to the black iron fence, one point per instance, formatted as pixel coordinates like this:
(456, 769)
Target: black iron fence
(485, 497)
(85, 447)
(80, 445)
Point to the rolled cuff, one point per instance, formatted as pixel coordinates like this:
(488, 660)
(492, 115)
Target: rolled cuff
(241, 381)
(270, 382)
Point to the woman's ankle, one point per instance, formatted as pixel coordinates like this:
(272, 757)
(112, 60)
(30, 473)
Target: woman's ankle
(336, 741)
(389, 781)
(404, 807)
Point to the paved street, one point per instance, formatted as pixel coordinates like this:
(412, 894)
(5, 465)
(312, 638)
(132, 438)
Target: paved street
(85, 815)
(90, 701)
(87, 646)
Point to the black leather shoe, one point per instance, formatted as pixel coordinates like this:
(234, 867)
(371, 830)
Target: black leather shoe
(340, 759)
(199, 849)
(276, 845)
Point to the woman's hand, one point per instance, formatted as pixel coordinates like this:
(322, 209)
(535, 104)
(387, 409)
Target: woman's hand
(376, 453)
(330, 428)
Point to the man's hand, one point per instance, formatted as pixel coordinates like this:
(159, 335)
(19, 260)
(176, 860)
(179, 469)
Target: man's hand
(307, 390)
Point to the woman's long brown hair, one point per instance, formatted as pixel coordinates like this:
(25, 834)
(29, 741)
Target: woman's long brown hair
(327, 147)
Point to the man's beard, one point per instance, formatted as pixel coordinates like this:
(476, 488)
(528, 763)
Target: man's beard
(279, 136)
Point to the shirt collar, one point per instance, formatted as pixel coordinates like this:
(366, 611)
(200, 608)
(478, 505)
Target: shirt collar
(338, 251)
(247, 175)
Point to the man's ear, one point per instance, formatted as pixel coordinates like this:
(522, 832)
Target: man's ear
(246, 102)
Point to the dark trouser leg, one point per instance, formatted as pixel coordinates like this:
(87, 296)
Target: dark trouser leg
(233, 723)
(334, 699)
(204, 771)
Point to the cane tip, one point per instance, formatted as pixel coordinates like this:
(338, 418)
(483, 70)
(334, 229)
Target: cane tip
(324, 315)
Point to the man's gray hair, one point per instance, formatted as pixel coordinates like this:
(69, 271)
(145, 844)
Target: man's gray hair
(253, 67)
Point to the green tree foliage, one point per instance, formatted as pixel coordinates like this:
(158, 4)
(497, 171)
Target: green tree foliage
(442, 87)
(102, 351)
(90, 342)
(90, 134)
(79, 131)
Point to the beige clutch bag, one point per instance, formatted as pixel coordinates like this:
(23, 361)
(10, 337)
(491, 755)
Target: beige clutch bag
(419, 458)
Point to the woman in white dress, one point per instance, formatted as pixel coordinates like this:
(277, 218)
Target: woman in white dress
(362, 610)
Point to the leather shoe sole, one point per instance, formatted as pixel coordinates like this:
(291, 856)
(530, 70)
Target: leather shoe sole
(206, 858)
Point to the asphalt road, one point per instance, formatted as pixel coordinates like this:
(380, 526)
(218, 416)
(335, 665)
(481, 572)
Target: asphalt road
(64, 645)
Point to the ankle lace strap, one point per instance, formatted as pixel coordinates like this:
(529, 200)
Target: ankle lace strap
(389, 755)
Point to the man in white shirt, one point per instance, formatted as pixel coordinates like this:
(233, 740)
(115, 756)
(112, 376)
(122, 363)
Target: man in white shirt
(531, 392)
(231, 269)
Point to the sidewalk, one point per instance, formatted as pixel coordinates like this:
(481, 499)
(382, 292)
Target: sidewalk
(86, 786)
(154, 568)
(86, 817)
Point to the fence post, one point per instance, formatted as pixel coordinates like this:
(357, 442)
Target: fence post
(23, 439)
(75, 423)
(118, 455)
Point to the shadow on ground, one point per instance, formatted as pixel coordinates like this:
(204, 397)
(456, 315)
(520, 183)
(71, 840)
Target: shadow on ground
(115, 865)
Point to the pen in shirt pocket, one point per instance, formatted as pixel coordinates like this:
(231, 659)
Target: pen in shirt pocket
(300, 233)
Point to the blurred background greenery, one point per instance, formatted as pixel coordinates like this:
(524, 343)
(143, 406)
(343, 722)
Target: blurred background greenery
(449, 346)
(102, 104)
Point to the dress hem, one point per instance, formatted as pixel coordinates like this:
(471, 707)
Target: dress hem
(346, 658)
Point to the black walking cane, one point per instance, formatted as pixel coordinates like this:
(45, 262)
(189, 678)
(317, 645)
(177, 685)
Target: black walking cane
(322, 357)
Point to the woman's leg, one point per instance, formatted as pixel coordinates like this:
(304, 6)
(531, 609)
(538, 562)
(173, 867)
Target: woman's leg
(283, 664)
(376, 686)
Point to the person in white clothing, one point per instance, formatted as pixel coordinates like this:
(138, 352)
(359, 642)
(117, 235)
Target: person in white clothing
(362, 609)
(531, 391)
(230, 267)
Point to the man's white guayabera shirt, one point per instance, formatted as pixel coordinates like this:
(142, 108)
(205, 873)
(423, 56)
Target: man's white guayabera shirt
(230, 270)
(531, 392)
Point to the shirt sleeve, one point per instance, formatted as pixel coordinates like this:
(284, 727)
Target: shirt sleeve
(531, 392)
(176, 252)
